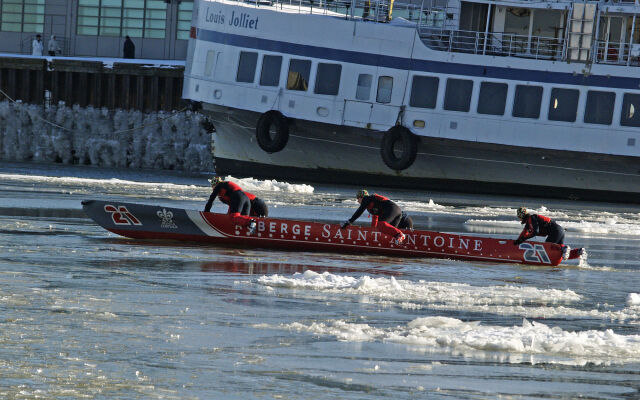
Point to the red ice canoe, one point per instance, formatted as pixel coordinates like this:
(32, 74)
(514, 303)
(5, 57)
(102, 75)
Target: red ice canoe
(141, 221)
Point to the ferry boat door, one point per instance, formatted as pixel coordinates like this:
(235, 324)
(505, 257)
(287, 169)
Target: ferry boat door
(372, 107)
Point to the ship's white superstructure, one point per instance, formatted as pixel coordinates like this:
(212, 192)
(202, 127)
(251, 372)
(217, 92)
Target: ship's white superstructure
(492, 96)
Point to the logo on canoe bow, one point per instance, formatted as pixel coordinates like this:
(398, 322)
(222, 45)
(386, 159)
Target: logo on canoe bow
(167, 219)
(120, 215)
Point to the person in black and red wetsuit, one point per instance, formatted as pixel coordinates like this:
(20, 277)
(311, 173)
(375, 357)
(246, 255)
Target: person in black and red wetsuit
(385, 214)
(539, 225)
(239, 202)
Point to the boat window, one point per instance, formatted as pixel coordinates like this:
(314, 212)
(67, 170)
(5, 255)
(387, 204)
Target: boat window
(563, 105)
(328, 79)
(385, 87)
(208, 65)
(247, 67)
(493, 98)
(599, 107)
(526, 103)
(364, 86)
(270, 74)
(424, 92)
(298, 78)
(630, 110)
(457, 96)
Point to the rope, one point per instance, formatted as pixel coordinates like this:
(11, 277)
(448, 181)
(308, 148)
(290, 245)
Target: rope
(112, 133)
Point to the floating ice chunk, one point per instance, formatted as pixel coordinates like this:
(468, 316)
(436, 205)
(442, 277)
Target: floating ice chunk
(633, 300)
(487, 341)
(251, 184)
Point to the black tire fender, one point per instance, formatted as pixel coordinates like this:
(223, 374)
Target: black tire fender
(269, 142)
(408, 144)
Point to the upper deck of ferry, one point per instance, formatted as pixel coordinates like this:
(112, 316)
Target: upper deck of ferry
(606, 32)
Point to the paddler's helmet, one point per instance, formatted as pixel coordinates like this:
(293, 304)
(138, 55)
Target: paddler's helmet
(215, 180)
(522, 212)
(361, 193)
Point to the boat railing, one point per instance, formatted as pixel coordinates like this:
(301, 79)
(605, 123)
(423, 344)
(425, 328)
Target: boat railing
(370, 10)
(617, 53)
(492, 43)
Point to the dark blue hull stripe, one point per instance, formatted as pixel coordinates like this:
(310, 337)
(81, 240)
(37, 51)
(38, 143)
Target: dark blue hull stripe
(401, 63)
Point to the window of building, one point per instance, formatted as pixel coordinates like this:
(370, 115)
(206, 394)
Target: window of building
(88, 17)
(185, 9)
(110, 17)
(155, 19)
(135, 18)
(385, 87)
(424, 92)
(270, 74)
(328, 79)
(22, 15)
(630, 110)
(493, 98)
(563, 105)
(247, 66)
(527, 101)
(298, 78)
(208, 64)
(363, 90)
(599, 107)
(457, 96)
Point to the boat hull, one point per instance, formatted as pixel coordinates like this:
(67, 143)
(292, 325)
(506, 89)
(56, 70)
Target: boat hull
(342, 154)
(141, 221)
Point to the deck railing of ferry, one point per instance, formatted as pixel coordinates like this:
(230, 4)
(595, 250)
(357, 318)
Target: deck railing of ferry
(434, 20)
(370, 10)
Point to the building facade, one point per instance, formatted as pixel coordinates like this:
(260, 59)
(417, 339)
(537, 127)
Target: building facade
(97, 28)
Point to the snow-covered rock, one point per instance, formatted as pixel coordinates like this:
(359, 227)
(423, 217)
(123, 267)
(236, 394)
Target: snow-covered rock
(101, 137)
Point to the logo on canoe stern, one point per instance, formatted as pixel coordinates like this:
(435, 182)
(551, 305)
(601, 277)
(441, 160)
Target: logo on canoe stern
(167, 219)
(535, 253)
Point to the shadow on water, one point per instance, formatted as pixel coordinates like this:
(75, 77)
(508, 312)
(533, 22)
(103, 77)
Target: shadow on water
(270, 268)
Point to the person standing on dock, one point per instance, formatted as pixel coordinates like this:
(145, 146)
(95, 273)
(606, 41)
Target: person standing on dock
(539, 225)
(385, 214)
(129, 50)
(36, 46)
(239, 202)
(53, 46)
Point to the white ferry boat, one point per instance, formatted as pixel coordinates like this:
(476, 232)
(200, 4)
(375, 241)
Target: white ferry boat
(485, 96)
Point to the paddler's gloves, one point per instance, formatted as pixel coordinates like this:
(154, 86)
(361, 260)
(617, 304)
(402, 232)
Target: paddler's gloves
(517, 242)
(345, 224)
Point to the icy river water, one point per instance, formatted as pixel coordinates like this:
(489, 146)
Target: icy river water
(88, 314)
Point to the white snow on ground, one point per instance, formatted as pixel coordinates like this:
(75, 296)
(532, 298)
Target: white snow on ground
(473, 339)
(251, 184)
(108, 62)
(504, 300)
(105, 138)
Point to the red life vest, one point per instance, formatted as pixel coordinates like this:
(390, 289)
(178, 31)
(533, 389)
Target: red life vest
(374, 205)
(227, 188)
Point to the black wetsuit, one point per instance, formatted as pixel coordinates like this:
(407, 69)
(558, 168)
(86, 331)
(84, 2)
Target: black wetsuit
(381, 208)
(405, 222)
(259, 208)
(232, 195)
(539, 225)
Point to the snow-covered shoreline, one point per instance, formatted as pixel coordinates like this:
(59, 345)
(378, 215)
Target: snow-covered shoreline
(102, 137)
